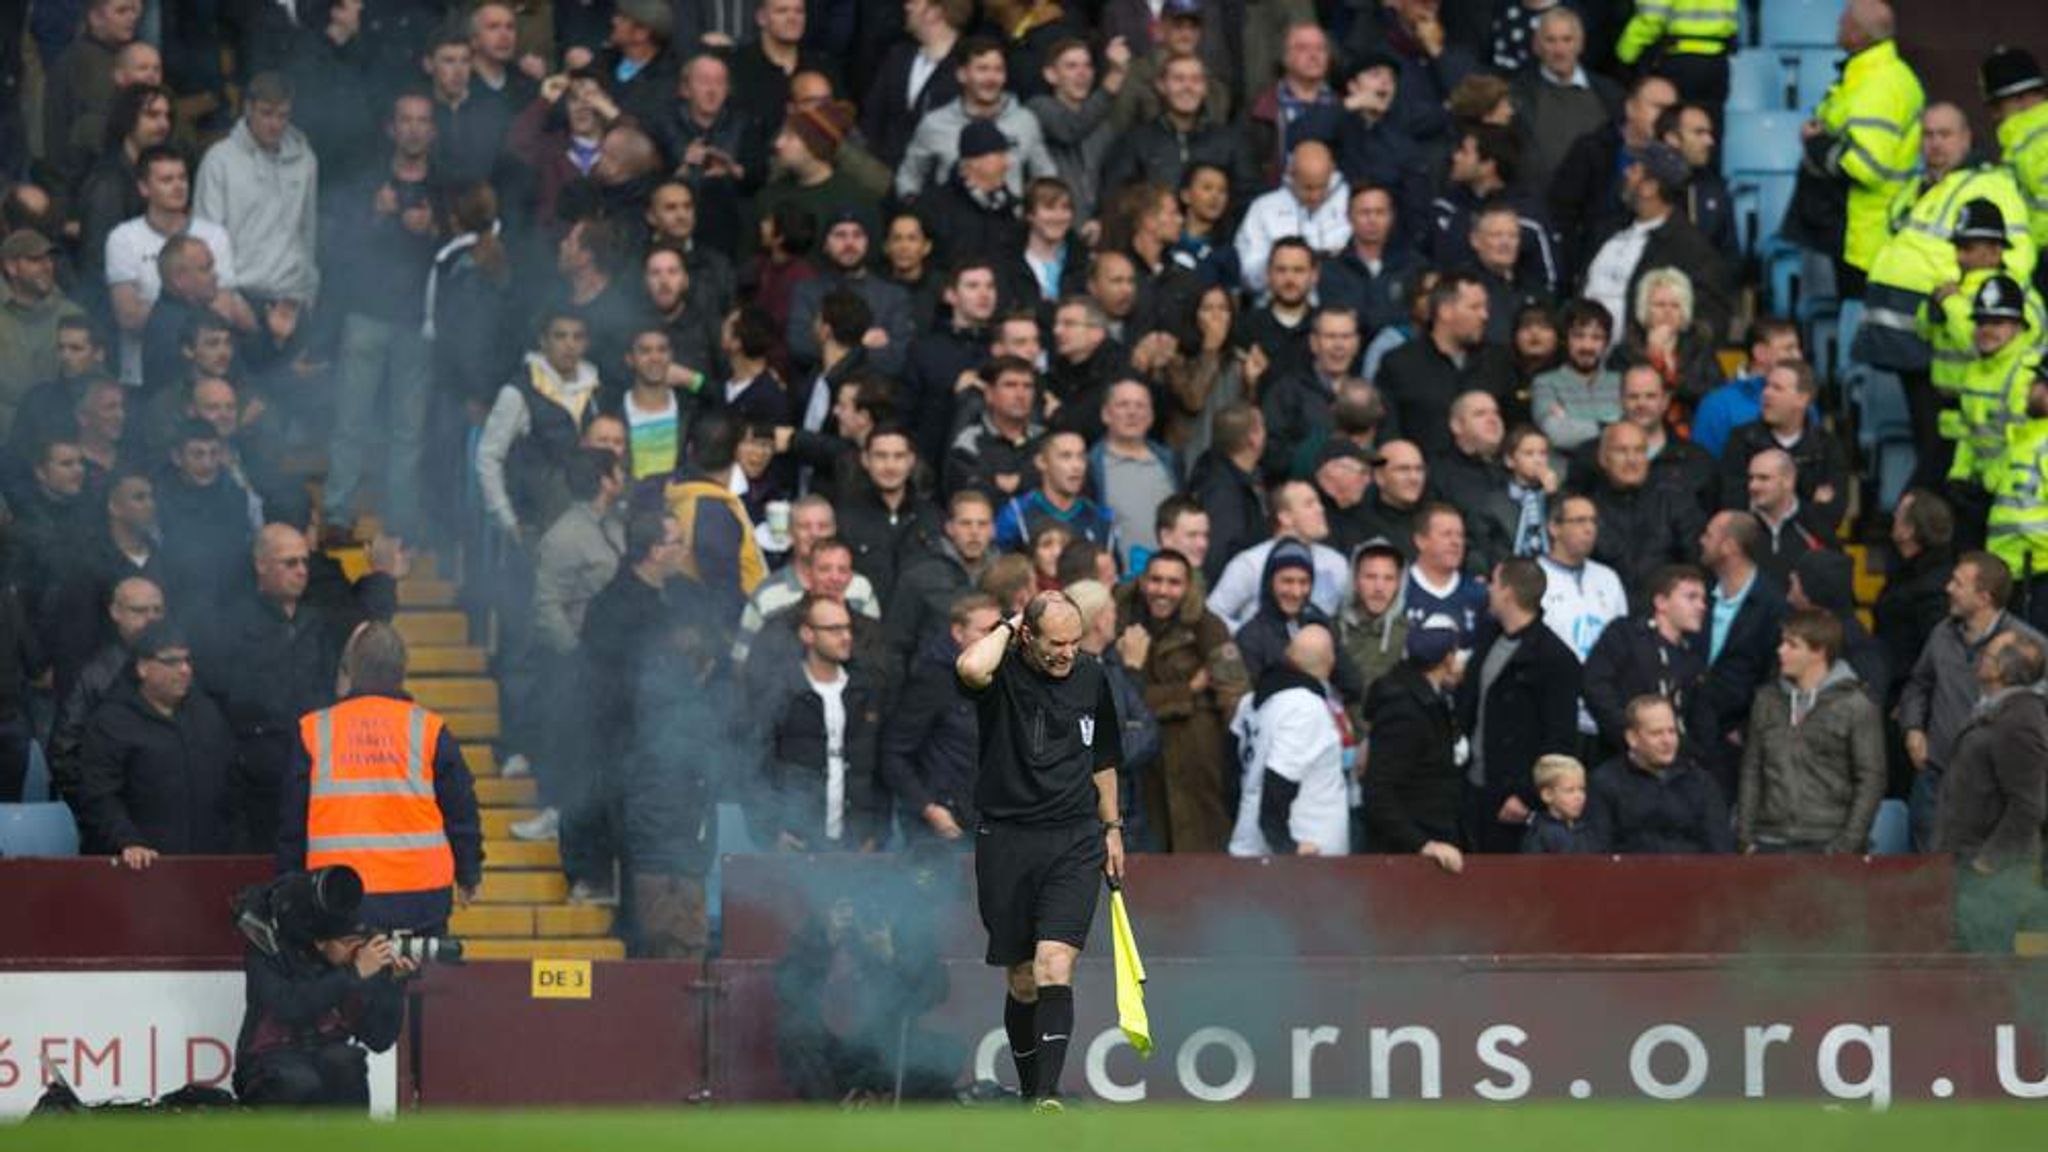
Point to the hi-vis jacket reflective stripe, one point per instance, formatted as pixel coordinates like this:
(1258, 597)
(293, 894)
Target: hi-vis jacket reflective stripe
(2023, 141)
(1993, 398)
(2019, 514)
(1952, 335)
(1873, 114)
(371, 796)
(1919, 256)
(1684, 27)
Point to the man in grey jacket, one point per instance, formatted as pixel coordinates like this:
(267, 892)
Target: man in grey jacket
(984, 95)
(1942, 690)
(261, 183)
(1813, 766)
(1994, 796)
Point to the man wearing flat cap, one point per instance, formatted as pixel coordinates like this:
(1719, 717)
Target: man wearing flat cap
(31, 308)
(974, 213)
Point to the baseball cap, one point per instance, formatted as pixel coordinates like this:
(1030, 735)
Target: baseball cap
(25, 244)
(1185, 9)
(1340, 448)
(1432, 640)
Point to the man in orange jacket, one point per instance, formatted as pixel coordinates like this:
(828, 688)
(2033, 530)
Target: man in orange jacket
(378, 783)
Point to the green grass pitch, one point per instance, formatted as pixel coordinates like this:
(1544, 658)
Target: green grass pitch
(1730, 1127)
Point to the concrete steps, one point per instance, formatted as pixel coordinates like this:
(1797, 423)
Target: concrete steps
(522, 910)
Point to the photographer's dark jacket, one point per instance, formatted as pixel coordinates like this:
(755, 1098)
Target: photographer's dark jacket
(297, 1001)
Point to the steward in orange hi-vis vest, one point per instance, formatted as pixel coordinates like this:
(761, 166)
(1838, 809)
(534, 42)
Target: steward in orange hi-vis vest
(379, 784)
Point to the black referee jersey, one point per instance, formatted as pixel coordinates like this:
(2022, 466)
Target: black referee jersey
(1043, 740)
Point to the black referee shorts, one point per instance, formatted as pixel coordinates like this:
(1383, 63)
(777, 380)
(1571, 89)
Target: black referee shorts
(1036, 883)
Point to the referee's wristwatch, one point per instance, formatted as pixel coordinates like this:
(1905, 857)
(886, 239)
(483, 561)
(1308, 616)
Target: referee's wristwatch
(1113, 826)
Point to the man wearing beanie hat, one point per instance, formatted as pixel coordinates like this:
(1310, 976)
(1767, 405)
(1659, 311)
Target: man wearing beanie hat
(847, 237)
(1827, 581)
(1992, 398)
(802, 172)
(1414, 782)
(2018, 96)
(975, 211)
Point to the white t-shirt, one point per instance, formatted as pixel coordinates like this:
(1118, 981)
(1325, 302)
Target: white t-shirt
(834, 696)
(132, 249)
(1578, 606)
(1294, 736)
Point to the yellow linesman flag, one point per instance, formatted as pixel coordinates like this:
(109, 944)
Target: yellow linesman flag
(1130, 976)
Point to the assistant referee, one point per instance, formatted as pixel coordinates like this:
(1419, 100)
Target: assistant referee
(1049, 829)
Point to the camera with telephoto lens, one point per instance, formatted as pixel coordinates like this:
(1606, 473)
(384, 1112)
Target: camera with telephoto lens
(425, 949)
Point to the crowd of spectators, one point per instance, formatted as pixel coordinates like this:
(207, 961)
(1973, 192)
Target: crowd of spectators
(1356, 368)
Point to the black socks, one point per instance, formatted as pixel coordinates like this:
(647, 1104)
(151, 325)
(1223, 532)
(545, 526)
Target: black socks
(1055, 1023)
(1019, 1020)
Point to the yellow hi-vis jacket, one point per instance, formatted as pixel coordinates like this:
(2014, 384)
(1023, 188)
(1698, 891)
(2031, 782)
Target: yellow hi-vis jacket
(1683, 27)
(1873, 115)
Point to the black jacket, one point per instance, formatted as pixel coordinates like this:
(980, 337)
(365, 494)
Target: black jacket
(1643, 529)
(1236, 507)
(649, 94)
(1749, 657)
(690, 746)
(1819, 459)
(1631, 659)
(932, 367)
(297, 1001)
(1419, 382)
(961, 223)
(1157, 153)
(921, 605)
(1081, 388)
(1380, 299)
(789, 795)
(890, 114)
(206, 536)
(1678, 244)
(1262, 641)
(1585, 194)
(624, 617)
(454, 794)
(95, 681)
(883, 541)
(978, 454)
(1479, 489)
(1547, 835)
(1294, 405)
(1413, 786)
(930, 747)
(266, 670)
(1531, 711)
(1914, 602)
(157, 782)
(1679, 811)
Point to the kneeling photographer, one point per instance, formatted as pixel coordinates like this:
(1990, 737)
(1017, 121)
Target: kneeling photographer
(323, 992)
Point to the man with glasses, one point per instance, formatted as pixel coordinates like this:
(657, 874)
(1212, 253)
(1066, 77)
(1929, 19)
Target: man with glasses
(273, 658)
(155, 777)
(817, 786)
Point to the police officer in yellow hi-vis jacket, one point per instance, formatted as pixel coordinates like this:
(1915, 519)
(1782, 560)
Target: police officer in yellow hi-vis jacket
(1866, 134)
(1993, 397)
(2018, 531)
(378, 783)
(2018, 96)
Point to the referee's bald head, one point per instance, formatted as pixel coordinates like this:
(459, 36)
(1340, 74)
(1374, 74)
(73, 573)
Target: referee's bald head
(1052, 632)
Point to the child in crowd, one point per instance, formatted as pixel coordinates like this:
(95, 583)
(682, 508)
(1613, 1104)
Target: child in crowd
(1561, 827)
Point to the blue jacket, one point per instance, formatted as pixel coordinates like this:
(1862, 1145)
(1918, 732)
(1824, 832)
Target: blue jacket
(1018, 518)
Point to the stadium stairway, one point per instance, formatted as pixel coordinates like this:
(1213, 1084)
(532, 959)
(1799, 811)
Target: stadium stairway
(522, 910)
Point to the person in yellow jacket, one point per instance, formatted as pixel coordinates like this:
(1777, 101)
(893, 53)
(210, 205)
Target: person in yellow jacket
(1993, 397)
(722, 557)
(2018, 528)
(378, 783)
(1897, 333)
(1686, 41)
(1982, 240)
(1866, 133)
(2018, 95)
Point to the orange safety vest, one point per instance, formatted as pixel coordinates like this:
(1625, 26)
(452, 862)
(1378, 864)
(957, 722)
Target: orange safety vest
(372, 801)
